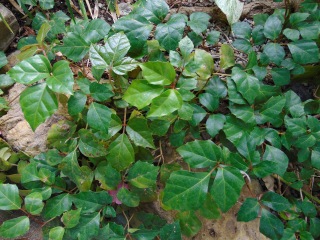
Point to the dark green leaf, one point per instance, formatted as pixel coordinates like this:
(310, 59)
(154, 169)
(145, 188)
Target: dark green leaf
(160, 127)
(96, 30)
(260, 19)
(298, 17)
(275, 201)
(9, 197)
(171, 231)
(15, 227)
(309, 30)
(215, 123)
(280, 158)
(100, 92)
(291, 34)
(158, 73)
(128, 198)
(270, 225)
(120, 153)
(143, 175)
(272, 27)
(209, 101)
(155, 12)
(89, 202)
(280, 76)
(139, 132)
(275, 52)
(249, 210)
(189, 222)
(186, 47)
(3, 59)
(99, 117)
(210, 209)
(304, 51)
(226, 187)
(71, 218)
(108, 177)
(258, 35)
(243, 45)
(241, 30)
(76, 103)
(89, 145)
(314, 227)
(213, 37)
(243, 112)
(199, 22)
(57, 205)
(315, 159)
(87, 228)
(271, 111)
(233, 94)
(186, 190)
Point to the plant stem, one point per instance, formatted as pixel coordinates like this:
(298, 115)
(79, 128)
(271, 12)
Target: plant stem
(70, 11)
(83, 9)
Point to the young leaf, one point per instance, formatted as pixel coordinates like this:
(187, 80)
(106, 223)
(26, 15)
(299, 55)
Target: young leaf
(205, 64)
(231, 8)
(143, 175)
(139, 132)
(33, 203)
(15, 227)
(272, 27)
(200, 154)
(226, 187)
(140, 93)
(275, 201)
(31, 70)
(61, 80)
(199, 22)
(227, 59)
(71, 218)
(270, 225)
(249, 210)
(186, 190)
(168, 102)
(57, 205)
(158, 73)
(9, 197)
(38, 103)
(304, 51)
(56, 233)
(120, 153)
(170, 33)
(99, 117)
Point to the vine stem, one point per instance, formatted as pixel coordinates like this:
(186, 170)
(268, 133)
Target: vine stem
(124, 121)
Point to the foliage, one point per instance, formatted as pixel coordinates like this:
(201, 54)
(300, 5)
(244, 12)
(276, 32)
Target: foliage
(152, 82)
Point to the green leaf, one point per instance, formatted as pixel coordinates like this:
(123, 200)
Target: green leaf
(128, 198)
(76, 103)
(57, 205)
(70, 167)
(120, 153)
(233, 94)
(271, 111)
(304, 51)
(249, 210)
(71, 218)
(226, 187)
(74, 47)
(89, 145)
(309, 30)
(258, 35)
(227, 58)
(155, 12)
(170, 33)
(260, 19)
(108, 177)
(186, 47)
(231, 8)
(205, 64)
(168, 102)
(33, 203)
(277, 156)
(158, 73)
(15, 227)
(275, 52)
(241, 30)
(140, 93)
(56, 233)
(171, 231)
(46, 4)
(215, 123)
(270, 225)
(159, 127)
(272, 27)
(9, 197)
(210, 209)
(243, 112)
(243, 45)
(186, 190)
(199, 22)
(189, 223)
(213, 37)
(31, 70)
(139, 132)
(315, 159)
(100, 92)
(3, 59)
(209, 101)
(90, 202)
(298, 17)
(61, 80)
(38, 103)
(96, 30)
(314, 227)
(99, 117)
(275, 201)
(280, 76)
(200, 154)
(143, 175)
(291, 34)
(296, 126)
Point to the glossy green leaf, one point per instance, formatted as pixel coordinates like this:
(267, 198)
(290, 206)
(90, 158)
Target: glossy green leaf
(233, 94)
(215, 123)
(199, 22)
(209, 101)
(270, 225)
(100, 92)
(170, 33)
(140, 93)
(258, 35)
(249, 210)
(314, 227)
(158, 73)
(76, 103)
(200, 154)
(241, 30)
(231, 8)
(168, 102)
(61, 80)
(280, 76)
(272, 27)
(159, 127)
(57, 205)
(9, 197)
(277, 156)
(298, 17)
(87, 228)
(275, 52)
(95, 30)
(186, 190)
(271, 110)
(275, 201)
(213, 37)
(38, 103)
(15, 227)
(291, 34)
(210, 209)
(71, 218)
(155, 12)
(31, 70)
(171, 231)
(304, 51)
(70, 167)
(186, 47)
(120, 153)
(56, 233)
(90, 145)
(90, 202)
(226, 187)
(108, 177)
(143, 175)
(243, 45)
(3, 59)
(139, 132)
(190, 224)
(33, 203)
(309, 30)
(99, 117)
(205, 64)
(227, 58)
(243, 112)
(128, 198)
(315, 159)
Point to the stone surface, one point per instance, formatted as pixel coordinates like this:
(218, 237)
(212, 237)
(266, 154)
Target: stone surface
(6, 36)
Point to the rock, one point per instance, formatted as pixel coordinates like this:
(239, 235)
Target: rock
(6, 36)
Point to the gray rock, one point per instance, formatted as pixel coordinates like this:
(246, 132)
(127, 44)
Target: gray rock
(6, 36)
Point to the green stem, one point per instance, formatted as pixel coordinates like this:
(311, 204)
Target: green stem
(83, 9)
(70, 11)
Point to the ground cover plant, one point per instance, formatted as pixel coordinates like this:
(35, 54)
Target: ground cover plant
(152, 80)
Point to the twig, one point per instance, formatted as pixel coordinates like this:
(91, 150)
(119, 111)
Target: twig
(16, 6)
